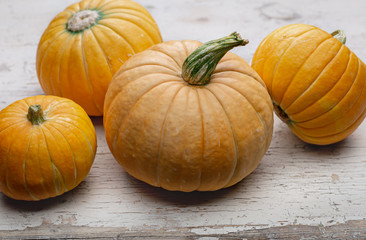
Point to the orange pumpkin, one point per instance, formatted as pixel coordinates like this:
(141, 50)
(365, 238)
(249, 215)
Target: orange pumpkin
(317, 85)
(196, 124)
(47, 146)
(86, 44)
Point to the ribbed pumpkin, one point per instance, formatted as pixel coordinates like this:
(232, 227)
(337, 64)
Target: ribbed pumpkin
(184, 125)
(84, 46)
(317, 85)
(47, 147)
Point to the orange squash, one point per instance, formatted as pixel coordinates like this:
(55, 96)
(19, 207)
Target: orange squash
(86, 44)
(184, 125)
(317, 85)
(47, 147)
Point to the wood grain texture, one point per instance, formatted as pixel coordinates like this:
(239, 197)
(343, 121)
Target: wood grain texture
(299, 191)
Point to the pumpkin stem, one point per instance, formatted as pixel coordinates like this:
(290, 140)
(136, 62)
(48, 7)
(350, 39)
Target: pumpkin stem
(35, 114)
(199, 65)
(340, 35)
(82, 20)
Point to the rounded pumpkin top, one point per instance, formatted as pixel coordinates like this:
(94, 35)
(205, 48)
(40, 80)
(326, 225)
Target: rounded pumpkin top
(47, 147)
(181, 136)
(86, 44)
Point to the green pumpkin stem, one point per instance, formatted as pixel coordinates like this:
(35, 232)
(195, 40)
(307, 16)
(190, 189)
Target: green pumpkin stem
(199, 65)
(35, 114)
(340, 35)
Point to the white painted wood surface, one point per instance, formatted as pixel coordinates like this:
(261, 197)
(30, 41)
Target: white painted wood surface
(296, 185)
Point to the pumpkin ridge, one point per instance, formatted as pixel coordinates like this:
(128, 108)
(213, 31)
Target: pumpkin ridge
(73, 7)
(202, 135)
(261, 119)
(59, 67)
(239, 72)
(50, 108)
(97, 4)
(300, 67)
(345, 70)
(40, 62)
(340, 117)
(64, 74)
(131, 21)
(116, 136)
(24, 167)
(75, 127)
(257, 52)
(131, 5)
(54, 168)
(72, 153)
(184, 47)
(234, 138)
(174, 71)
(85, 68)
(128, 9)
(39, 164)
(11, 125)
(134, 14)
(317, 77)
(15, 114)
(283, 54)
(179, 66)
(270, 88)
(73, 116)
(118, 34)
(337, 135)
(26, 102)
(57, 26)
(102, 50)
(88, 7)
(162, 135)
(87, 141)
(120, 90)
(344, 96)
(6, 160)
(142, 77)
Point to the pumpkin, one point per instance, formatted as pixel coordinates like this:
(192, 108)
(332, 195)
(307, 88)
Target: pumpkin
(185, 116)
(47, 147)
(84, 46)
(317, 84)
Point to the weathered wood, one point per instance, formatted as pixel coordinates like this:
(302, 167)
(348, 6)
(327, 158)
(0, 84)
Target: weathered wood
(299, 191)
(348, 230)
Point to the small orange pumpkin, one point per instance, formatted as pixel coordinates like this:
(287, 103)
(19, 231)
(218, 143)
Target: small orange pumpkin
(86, 44)
(317, 85)
(47, 147)
(178, 118)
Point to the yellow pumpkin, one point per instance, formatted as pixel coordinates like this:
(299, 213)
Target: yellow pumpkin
(317, 85)
(184, 125)
(47, 147)
(86, 44)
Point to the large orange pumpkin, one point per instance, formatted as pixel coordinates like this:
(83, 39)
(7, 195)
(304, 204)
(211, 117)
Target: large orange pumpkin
(317, 85)
(198, 127)
(47, 146)
(86, 44)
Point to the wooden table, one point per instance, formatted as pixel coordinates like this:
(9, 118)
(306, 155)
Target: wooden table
(299, 191)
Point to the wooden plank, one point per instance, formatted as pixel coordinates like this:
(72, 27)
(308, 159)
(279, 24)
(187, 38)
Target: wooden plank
(349, 230)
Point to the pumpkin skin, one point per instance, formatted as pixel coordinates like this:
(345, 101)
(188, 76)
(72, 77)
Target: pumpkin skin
(39, 161)
(184, 137)
(79, 64)
(317, 85)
